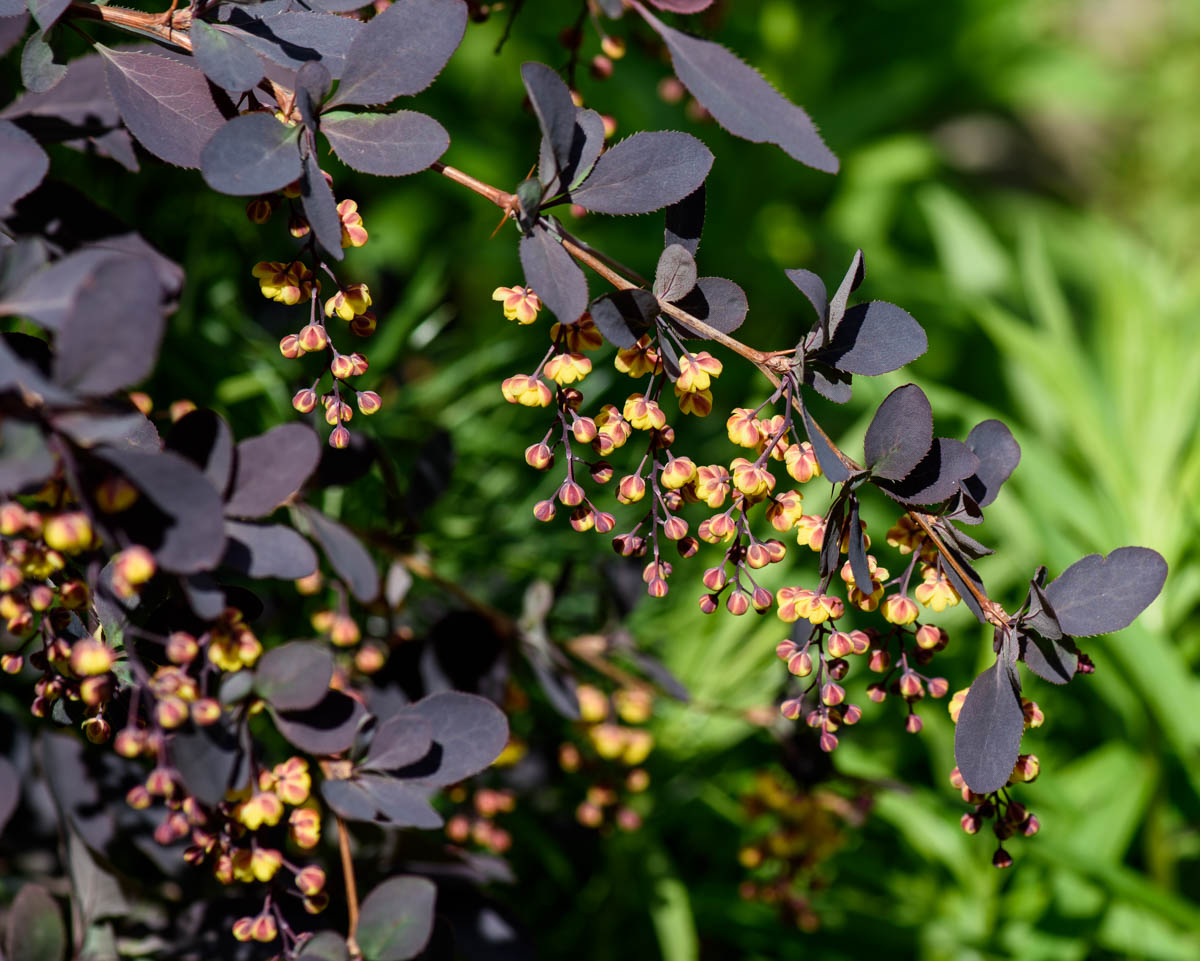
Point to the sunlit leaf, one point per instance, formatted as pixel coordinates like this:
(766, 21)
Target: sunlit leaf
(270, 468)
(553, 275)
(987, 738)
(346, 553)
(900, 433)
(326, 728)
(251, 154)
(294, 676)
(1099, 595)
(223, 57)
(396, 919)
(385, 144)
(645, 172)
(675, 275)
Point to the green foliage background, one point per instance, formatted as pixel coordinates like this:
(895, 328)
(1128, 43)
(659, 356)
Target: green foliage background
(1021, 177)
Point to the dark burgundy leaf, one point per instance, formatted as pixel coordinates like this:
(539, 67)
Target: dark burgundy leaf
(859, 566)
(398, 804)
(682, 6)
(39, 70)
(841, 297)
(645, 172)
(614, 9)
(204, 438)
(670, 359)
(12, 25)
(385, 144)
(675, 275)
(718, 302)
(831, 466)
(130, 430)
(1040, 615)
(18, 262)
(251, 154)
(937, 477)
(624, 315)
(81, 100)
(170, 274)
(829, 383)
(35, 930)
(326, 728)
(555, 112)
(968, 545)
(873, 339)
(294, 39)
(900, 434)
(10, 791)
(194, 536)
(739, 99)
(47, 12)
(294, 676)
(267, 550)
(16, 374)
(349, 799)
(587, 142)
(470, 731)
(25, 163)
(165, 104)
(224, 58)
(50, 296)
(24, 457)
(1052, 660)
(813, 287)
(313, 83)
(556, 682)
(270, 468)
(398, 742)
(326, 945)
(347, 555)
(320, 209)
(337, 6)
(987, 738)
(831, 552)
(207, 760)
(204, 595)
(553, 274)
(1099, 595)
(396, 919)
(685, 221)
(998, 453)
(110, 338)
(400, 51)
(961, 586)
(71, 773)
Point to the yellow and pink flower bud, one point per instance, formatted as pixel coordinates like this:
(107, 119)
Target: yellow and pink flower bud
(899, 609)
(89, 657)
(678, 472)
(354, 233)
(801, 462)
(70, 532)
(313, 338)
(742, 429)
(304, 827)
(644, 414)
(568, 368)
(339, 438)
(526, 391)
(520, 303)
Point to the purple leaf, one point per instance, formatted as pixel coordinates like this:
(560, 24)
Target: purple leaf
(110, 337)
(10, 791)
(12, 25)
(859, 565)
(39, 70)
(313, 83)
(193, 536)
(850, 283)
(347, 555)
(267, 550)
(251, 154)
(82, 97)
(813, 287)
(553, 274)
(40, 934)
(624, 315)
(399, 52)
(25, 164)
(555, 111)
(1099, 595)
(873, 339)
(325, 945)
(294, 39)
(962, 586)
(87, 429)
(47, 12)
(900, 434)
(349, 799)
(831, 465)
(24, 457)
(204, 438)
(830, 557)
(294, 676)
(49, 296)
(645, 172)
(165, 104)
(328, 727)
(382, 799)
(398, 742)
(396, 919)
(469, 730)
(320, 209)
(338, 6)
(385, 144)
(987, 738)
(224, 58)
(270, 469)
(937, 477)
(829, 383)
(682, 6)
(587, 143)
(675, 275)
(998, 453)
(685, 221)
(739, 99)
(208, 761)
(1053, 660)
(718, 302)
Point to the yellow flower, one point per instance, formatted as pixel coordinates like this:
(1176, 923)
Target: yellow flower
(520, 303)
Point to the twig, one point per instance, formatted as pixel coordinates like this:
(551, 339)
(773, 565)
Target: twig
(351, 888)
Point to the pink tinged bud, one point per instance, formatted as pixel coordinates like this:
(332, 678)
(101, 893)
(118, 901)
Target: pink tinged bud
(709, 603)
(570, 494)
(305, 400)
(757, 556)
(839, 644)
(928, 637)
(264, 929)
(737, 603)
(11, 663)
(910, 685)
(715, 579)
(851, 714)
(1033, 714)
(675, 528)
(800, 664)
(339, 438)
(631, 489)
(583, 519)
(604, 522)
(243, 929)
(97, 730)
(539, 456)
(880, 661)
(128, 742)
(832, 694)
(876, 693)
(970, 822)
(1001, 859)
(159, 783)
(310, 880)
(341, 366)
(762, 599)
(312, 338)
(828, 742)
(369, 402)
(1030, 826)
(290, 347)
(687, 547)
(913, 724)
(938, 687)
(657, 587)
(791, 708)
(584, 430)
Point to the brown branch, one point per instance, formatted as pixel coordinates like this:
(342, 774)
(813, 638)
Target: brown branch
(351, 888)
(170, 27)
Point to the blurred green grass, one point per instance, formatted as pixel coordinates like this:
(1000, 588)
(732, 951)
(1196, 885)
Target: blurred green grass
(1021, 178)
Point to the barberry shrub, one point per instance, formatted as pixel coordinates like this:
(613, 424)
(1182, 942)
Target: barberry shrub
(196, 723)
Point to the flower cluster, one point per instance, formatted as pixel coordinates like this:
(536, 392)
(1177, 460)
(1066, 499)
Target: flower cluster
(295, 283)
